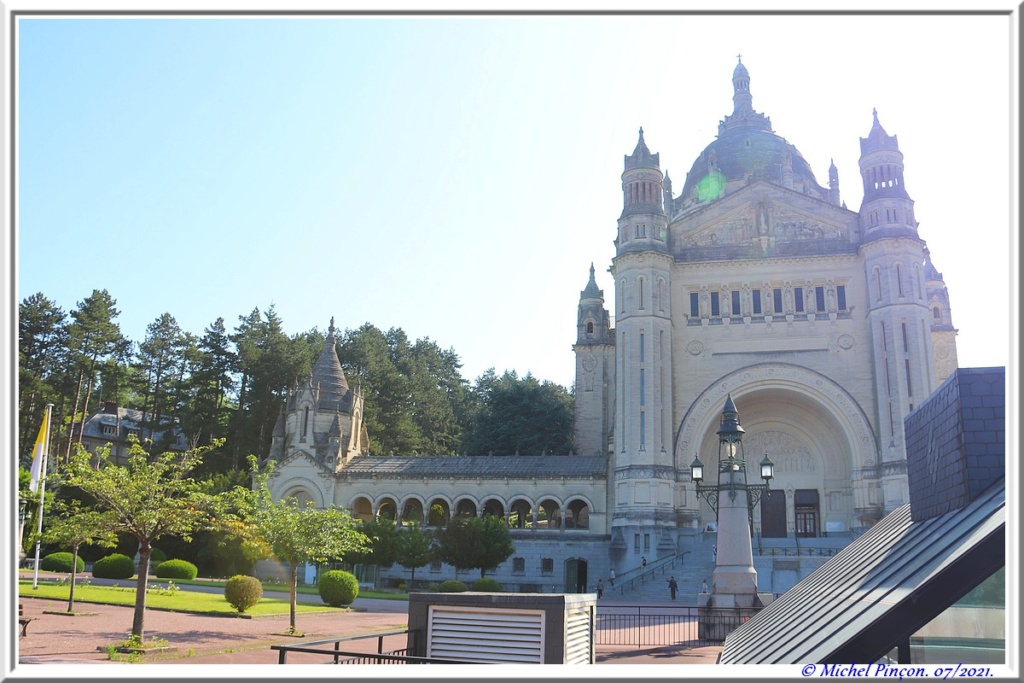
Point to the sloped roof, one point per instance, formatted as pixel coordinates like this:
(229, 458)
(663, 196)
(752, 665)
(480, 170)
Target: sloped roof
(450, 466)
(880, 589)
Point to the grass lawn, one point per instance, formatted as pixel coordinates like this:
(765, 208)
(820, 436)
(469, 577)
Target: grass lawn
(161, 598)
(283, 588)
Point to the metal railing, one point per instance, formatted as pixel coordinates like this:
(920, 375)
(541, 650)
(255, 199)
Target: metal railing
(646, 625)
(645, 574)
(336, 655)
(797, 551)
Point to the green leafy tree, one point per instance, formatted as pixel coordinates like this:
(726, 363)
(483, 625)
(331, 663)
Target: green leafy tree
(160, 356)
(72, 526)
(523, 416)
(457, 543)
(42, 344)
(416, 548)
(296, 534)
(93, 336)
(382, 543)
(475, 543)
(146, 499)
(495, 543)
(268, 362)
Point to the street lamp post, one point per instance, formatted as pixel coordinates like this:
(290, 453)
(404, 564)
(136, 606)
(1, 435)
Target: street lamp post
(735, 580)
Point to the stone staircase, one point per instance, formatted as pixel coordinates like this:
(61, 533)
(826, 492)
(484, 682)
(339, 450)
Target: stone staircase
(694, 564)
(780, 564)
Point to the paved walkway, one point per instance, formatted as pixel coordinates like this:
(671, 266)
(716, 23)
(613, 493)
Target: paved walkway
(62, 639)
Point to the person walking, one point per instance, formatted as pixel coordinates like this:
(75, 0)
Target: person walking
(704, 586)
(611, 577)
(672, 586)
(643, 562)
(600, 588)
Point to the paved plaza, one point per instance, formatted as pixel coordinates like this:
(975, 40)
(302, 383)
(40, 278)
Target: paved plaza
(199, 639)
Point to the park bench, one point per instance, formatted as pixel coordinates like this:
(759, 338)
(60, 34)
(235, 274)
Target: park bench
(23, 620)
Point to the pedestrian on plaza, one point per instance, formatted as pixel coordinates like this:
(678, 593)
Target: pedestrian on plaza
(672, 586)
(704, 586)
(611, 577)
(643, 562)
(600, 588)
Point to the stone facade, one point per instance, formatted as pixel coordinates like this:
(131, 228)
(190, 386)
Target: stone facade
(826, 325)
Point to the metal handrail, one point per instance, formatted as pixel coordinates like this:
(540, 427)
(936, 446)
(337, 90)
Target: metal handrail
(663, 564)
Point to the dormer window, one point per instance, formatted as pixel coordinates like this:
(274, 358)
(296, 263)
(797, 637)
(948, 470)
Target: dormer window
(109, 430)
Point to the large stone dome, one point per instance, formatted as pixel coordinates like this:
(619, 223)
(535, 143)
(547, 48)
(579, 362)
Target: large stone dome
(747, 150)
(743, 154)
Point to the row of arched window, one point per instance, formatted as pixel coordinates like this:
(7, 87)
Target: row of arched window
(519, 514)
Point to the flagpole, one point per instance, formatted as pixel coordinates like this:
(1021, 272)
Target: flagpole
(42, 490)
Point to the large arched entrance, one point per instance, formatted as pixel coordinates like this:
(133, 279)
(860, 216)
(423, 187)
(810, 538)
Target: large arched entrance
(811, 428)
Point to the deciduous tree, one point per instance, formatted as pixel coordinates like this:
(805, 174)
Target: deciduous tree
(147, 498)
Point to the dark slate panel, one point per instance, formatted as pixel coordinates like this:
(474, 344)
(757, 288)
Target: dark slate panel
(864, 589)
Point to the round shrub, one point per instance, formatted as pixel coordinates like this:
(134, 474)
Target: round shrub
(242, 592)
(452, 586)
(338, 588)
(176, 569)
(486, 585)
(116, 566)
(60, 562)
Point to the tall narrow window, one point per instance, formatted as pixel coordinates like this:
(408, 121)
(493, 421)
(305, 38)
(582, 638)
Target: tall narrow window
(899, 280)
(910, 385)
(643, 388)
(841, 297)
(878, 284)
(906, 346)
(694, 305)
(642, 346)
(885, 347)
(590, 327)
(757, 301)
(819, 298)
(641, 283)
(643, 430)
(305, 423)
(735, 302)
(716, 308)
(798, 299)
(777, 300)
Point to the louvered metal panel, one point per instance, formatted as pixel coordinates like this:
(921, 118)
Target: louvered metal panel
(578, 640)
(486, 635)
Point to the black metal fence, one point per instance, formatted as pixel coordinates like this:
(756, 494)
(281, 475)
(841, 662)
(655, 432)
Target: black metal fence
(649, 625)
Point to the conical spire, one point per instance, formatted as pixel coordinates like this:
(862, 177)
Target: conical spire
(641, 156)
(878, 139)
(591, 291)
(327, 374)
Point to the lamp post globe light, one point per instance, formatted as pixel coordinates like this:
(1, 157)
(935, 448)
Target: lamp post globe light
(733, 500)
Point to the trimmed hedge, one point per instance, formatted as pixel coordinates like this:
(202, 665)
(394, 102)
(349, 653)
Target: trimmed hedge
(242, 592)
(452, 586)
(60, 562)
(176, 569)
(116, 566)
(338, 588)
(486, 585)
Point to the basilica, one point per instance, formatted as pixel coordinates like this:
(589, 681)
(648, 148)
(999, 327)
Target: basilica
(825, 325)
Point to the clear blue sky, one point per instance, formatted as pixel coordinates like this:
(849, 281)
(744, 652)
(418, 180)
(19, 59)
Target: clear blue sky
(456, 177)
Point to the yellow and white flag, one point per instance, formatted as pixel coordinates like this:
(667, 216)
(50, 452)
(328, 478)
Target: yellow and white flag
(39, 454)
